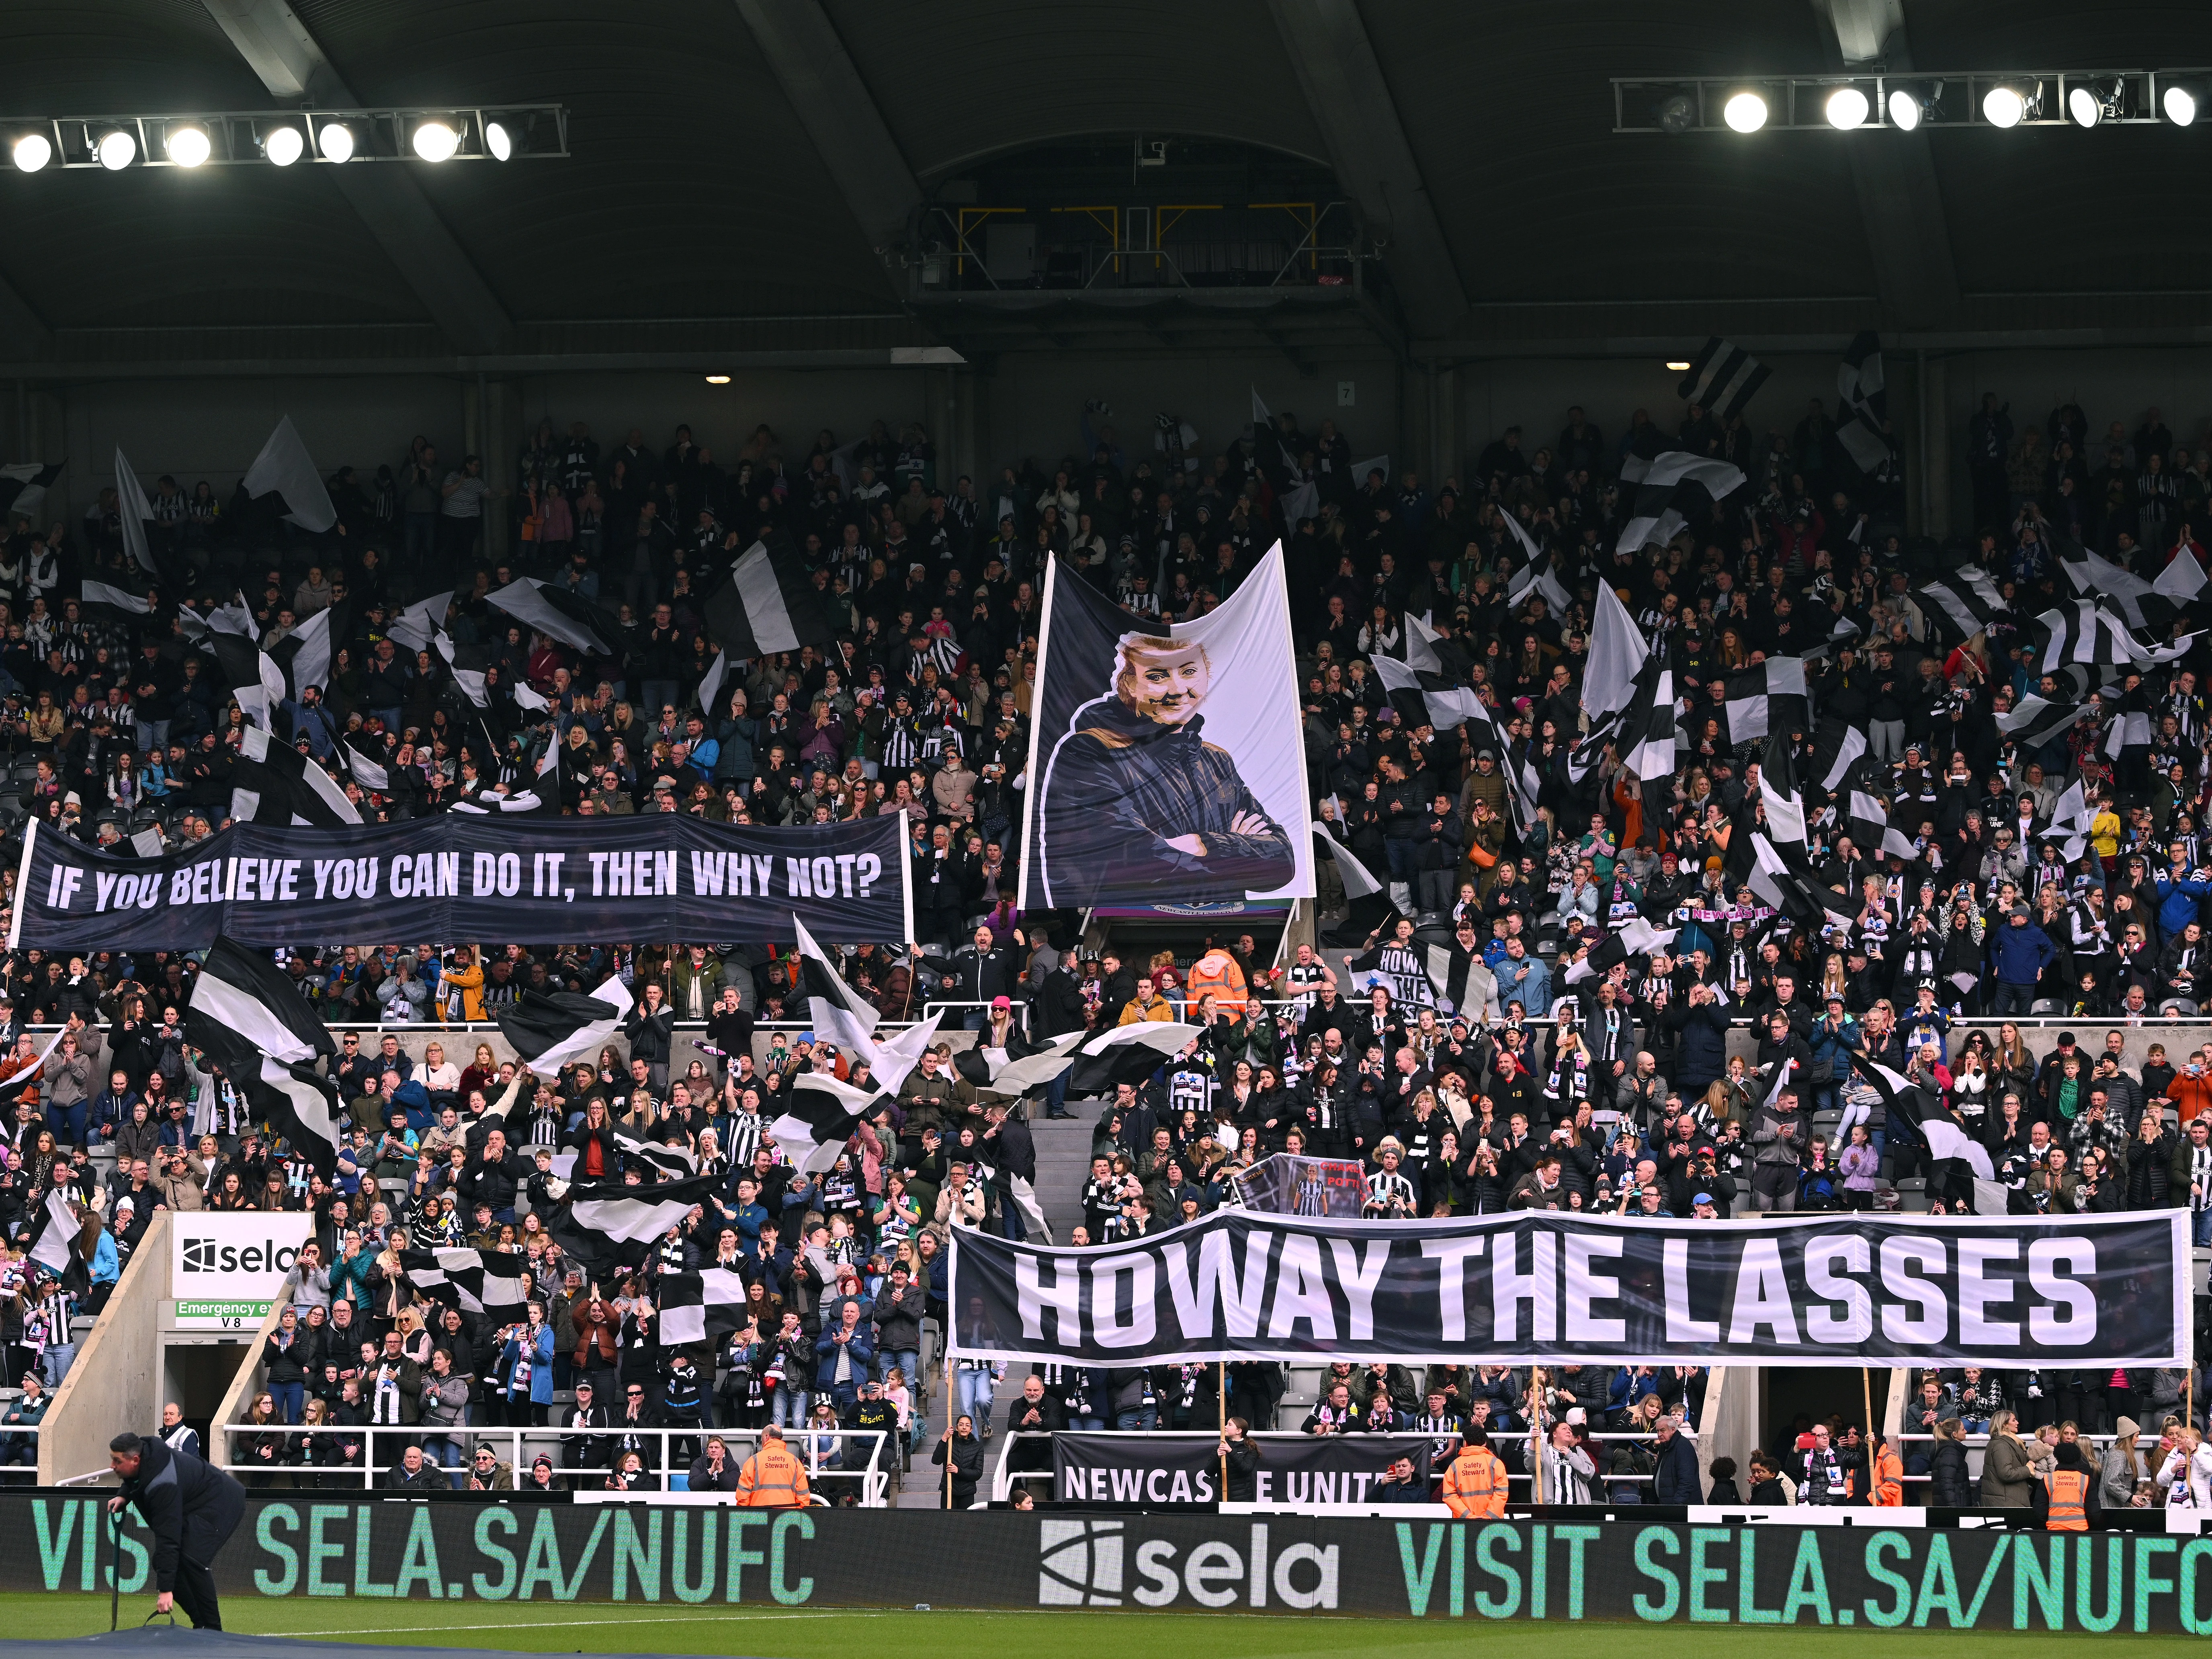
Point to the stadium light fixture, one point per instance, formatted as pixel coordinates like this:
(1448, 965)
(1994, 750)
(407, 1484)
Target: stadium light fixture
(1744, 111)
(1846, 108)
(2004, 105)
(498, 141)
(116, 149)
(188, 146)
(283, 144)
(718, 380)
(335, 141)
(31, 152)
(2086, 105)
(1678, 368)
(1677, 113)
(2179, 100)
(435, 141)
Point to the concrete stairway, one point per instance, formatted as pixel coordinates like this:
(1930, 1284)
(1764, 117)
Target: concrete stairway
(1063, 1160)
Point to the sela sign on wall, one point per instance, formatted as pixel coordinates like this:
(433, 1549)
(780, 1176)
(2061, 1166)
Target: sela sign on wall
(226, 1271)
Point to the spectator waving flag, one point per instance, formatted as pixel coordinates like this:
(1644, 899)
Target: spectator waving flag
(1721, 379)
(1022, 1067)
(1522, 786)
(550, 1030)
(475, 1281)
(767, 605)
(2035, 721)
(1862, 407)
(2083, 632)
(1443, 703)
(1638, 939)
(849, 1020)
(248, 1018)
(592, 1220)
(1618, 650)
(1127, 1053)
(255, 678)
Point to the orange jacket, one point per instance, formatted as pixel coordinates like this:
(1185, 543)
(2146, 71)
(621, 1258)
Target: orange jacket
(1217, 974)
(2069, 1501)
(772, 1479)
(2190, 1095)
(1475, 1485)
(1888, 1478)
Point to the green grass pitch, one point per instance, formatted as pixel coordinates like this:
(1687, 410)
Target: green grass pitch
(949, 1633)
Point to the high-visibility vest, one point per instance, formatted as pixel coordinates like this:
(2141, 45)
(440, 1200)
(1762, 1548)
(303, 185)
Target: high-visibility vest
(1888, 1480)
(2069, 1495)
(1475, 1485)
(1217, 972)
(772, 1479)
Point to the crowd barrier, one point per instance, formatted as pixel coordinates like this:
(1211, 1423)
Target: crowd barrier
(1568, 1567)
(839, 1461)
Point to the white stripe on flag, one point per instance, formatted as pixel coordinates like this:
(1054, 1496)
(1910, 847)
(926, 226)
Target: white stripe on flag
(762, 598)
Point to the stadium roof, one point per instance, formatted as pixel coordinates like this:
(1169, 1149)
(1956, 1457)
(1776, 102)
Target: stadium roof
(766, 180)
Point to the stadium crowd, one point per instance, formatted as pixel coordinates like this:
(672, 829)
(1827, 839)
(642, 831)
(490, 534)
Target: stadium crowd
(1530, 1088)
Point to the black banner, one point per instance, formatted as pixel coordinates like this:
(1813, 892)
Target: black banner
(457, 879)
(2061, 1291)
(325, 1548)
(1186, 1468)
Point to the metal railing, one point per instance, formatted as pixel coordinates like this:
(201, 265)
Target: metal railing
(1003, 1480)
(519, 1446)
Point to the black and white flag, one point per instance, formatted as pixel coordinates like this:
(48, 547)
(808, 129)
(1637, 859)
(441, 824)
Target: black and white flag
(1638, 939)
(1656, 516)
(1769, 698)
(1646, 737)
(1862, 409)
(23, 487)
(1787, 882)
(1618, 650)
(1838, 747)
(273, 782)
(593, 1217)
(1967, 601)
(668, 1160)
(366, 772)
(247, 1016)
(559, 614)
(1522, 784)
(767, 605)
(284, 465)
(2083, 632)
(255, 678)
(475, 1281)
(124, 599)
(699, 1307)
(1782, 794)
(1881, 826)
(2070, 818)
(839, 1012)
(1537, 578)
(1127, 1053)
(1721, 379)
(550, 1030)
(2036, 720)
(421, 622)
(1442, 704)
(54, 1247)
(1022, 1067)
(818, 1118)
(134, 510)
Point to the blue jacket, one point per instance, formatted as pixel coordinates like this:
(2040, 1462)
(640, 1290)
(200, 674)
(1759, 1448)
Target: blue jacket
(860, 1347)
(2020, 953)
(1703, 1053)
(106, 1267)
(2177, 902)
(541, 1365)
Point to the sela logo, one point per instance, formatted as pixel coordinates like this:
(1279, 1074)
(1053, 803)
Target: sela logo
(208, 1255)
(1080, 1565)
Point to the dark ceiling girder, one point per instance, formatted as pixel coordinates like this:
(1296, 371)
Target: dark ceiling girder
(1900, 201)
(278, 47)
(819, 77)
(1343, 83)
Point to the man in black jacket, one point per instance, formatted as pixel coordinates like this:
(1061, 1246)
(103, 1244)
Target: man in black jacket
(898, 1313)
(1035, 1413)
(191, 1508)
(1015, 1175)
(1060, 1009)
(581, 1449)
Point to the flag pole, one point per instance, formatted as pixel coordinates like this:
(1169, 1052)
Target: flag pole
(1873, 1442)
(1536, 1434)
(951, 1423)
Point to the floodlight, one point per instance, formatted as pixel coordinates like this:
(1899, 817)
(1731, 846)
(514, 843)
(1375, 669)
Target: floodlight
(116, 149)
(2003, 106)
(1744, 111)
(1847, 107)
(498, 140)
(436, 141)
(283, 145)
(1905, 109)
(2179, 100)
(336, 140)
(31, 151)
(188, 146)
